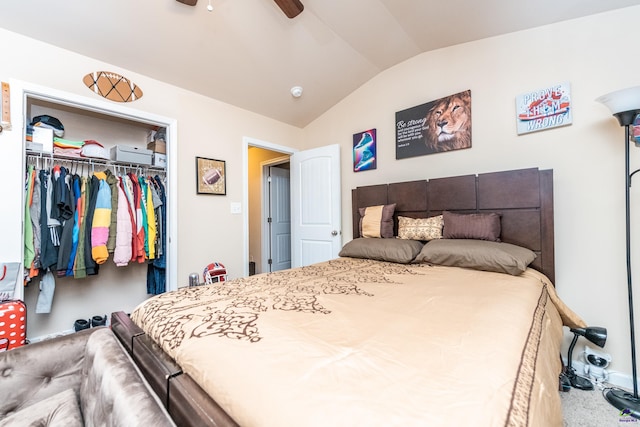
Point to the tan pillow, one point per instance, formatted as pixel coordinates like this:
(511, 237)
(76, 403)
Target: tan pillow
(420, 228)
(477, 254)
(391, 250)
(482, 226)
(377, 221)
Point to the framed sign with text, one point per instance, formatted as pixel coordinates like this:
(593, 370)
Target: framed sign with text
(434, 127)
(545, 108)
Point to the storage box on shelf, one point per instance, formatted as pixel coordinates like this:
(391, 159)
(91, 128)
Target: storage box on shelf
(125, 153)
(157, 146)
(160, 160)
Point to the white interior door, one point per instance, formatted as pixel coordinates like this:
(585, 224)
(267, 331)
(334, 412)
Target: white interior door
(279, 219)
(315, 205)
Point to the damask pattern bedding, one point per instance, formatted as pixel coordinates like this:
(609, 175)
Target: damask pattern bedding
(357, 342)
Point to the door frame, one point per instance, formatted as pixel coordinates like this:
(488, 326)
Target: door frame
(264, 185)
(246, 143)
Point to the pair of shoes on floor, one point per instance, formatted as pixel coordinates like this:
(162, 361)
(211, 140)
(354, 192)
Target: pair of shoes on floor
(81, 324)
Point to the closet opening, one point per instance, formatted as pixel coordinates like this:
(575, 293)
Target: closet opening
(115, 287)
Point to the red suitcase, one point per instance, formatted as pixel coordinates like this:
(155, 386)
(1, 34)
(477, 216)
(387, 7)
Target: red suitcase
(13, 324)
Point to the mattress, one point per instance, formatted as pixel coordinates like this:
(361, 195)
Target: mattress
(358, 342)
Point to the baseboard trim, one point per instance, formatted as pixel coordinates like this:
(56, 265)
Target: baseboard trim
(617, 379)
(50, 336)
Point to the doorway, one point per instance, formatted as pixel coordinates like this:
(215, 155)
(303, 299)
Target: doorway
(258, 156)
(315, 204)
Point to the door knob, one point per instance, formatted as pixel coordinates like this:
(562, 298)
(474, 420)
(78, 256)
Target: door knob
(334, 233)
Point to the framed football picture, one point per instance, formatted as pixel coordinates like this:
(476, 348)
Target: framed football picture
(211, 177)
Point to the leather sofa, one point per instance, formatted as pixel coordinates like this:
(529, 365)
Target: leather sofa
(81, 379)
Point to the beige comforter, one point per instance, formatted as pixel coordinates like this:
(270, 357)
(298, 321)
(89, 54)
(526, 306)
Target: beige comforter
(354, 342)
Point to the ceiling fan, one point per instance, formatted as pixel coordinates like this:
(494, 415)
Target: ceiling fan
(291, 8)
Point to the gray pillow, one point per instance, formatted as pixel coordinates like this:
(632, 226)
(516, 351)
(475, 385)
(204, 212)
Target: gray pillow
(482, 226)
(477, 254)
(391, 250)
(58, 410)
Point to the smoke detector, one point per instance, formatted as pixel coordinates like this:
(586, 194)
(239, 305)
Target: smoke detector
(296, 91)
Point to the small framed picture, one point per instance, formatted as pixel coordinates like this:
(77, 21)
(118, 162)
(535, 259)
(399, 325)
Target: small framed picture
(544, 108)
(211, 176)
(364, 150)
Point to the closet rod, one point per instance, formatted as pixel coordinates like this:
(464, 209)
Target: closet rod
(35, 155)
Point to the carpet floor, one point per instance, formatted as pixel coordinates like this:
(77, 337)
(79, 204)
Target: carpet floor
(590, 409)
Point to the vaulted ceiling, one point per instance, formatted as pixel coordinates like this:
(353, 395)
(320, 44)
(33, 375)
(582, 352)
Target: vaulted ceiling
(249, 54)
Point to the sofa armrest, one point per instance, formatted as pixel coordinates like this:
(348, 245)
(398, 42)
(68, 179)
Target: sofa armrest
(35, 372)
(112, 391)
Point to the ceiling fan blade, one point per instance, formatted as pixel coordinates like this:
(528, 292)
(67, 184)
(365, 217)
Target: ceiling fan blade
(188, 2)
(291, 8)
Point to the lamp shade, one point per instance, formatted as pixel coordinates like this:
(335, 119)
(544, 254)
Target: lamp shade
(595, 334)
(622, 100)
(623, 103)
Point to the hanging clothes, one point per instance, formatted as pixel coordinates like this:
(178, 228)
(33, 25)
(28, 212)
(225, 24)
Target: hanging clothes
(157, 206)
(90, 265)
(101, 220)
(49, 253)
(150, 223)
(68, 226)
(79, 267)
(138, 250)
(127, 188)
(45, 297)
(156, 270)
(62, 209)
(124, 229)
(35, 221)
(29, 249)
(143, 207)
(112, 180)
(75, 234)
(66, 207)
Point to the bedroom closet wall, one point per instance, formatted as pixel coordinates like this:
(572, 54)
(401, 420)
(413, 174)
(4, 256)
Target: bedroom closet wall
(114, 287)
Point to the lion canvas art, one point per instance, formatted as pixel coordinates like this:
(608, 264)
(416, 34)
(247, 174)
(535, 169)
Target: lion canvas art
(448, 123)
(435, 127)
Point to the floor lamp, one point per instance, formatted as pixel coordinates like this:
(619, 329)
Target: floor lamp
(625, 106)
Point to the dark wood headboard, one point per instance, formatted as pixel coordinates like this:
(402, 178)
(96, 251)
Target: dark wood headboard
(523, 197)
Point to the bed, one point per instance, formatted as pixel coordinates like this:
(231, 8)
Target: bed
(462, 330)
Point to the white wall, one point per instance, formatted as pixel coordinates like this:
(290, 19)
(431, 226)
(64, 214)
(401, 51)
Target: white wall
(596, 55)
